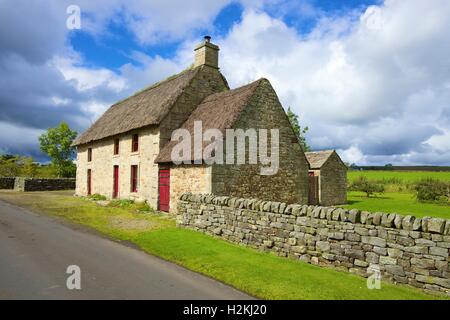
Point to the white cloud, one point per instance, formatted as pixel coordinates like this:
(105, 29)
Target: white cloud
(153, 21)
(352, 155)
(23, 143)
(375, 82)
(58, 101)
(150, 22)
(94, 108)
(88, 78)
(440, 142)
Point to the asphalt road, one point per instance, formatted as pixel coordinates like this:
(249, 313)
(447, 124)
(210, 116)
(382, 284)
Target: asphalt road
(35, 251)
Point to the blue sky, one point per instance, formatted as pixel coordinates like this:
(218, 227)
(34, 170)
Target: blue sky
(370, 78)
(110, 51)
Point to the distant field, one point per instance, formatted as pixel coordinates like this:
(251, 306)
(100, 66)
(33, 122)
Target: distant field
(399, 196)
(403, 203)
(404, 176)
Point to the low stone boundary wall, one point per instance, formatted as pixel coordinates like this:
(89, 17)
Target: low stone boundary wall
(37, 184)
(403, 249)
(6, 183)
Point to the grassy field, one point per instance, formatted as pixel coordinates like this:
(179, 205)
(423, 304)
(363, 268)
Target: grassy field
(403, 176)
(399, 196)
(262, 275)
(403, 203)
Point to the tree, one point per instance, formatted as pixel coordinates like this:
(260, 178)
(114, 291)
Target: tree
(429, 189)
(29, 168)
(298, 130)
(5, 157)
(8, 165)
(57, 144)
(354, 166)
(363, 184)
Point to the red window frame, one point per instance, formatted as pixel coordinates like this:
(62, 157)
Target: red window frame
(134, 178)
(116, 146)
(135, 143)
(89, 154)
(89, 182)
(115, 181)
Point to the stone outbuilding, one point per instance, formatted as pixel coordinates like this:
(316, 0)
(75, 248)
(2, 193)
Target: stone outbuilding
(327, 178)
(127, 152)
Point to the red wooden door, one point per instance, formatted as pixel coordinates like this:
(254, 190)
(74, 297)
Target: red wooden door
(164, 189)
(89, 181)
(116, 182)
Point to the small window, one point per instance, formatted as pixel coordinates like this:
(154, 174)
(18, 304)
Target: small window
(134, 178)
(135, 143)
(116, 146)
(89, 154)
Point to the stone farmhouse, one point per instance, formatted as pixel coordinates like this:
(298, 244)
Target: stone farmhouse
(327, 178)
(126, 153)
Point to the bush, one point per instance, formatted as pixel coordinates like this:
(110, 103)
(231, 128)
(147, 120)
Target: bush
(367, 186)
(391, 180)
(122, 203)
(96, 197)
(429, 189)
(144, 207)
(19, 166)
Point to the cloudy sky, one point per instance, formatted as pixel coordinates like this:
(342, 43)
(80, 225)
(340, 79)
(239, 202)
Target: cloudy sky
(370, 78)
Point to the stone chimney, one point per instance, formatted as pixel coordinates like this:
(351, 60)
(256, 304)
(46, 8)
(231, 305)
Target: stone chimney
(207, 54)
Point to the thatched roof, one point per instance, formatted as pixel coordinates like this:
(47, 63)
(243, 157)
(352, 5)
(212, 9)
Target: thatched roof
(317, 159)
(144, 108)
(217, 111)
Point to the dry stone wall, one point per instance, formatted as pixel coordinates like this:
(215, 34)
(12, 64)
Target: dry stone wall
(36, 184)
(405, 249)
(6, 183)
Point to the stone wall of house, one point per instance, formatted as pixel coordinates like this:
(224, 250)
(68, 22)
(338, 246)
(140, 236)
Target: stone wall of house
(41, 184)
(404, 249)
(208, 81)
(290, 183)
(6, 183)
(188, 178)
(151, 139)
(333, 182)
(103, 160)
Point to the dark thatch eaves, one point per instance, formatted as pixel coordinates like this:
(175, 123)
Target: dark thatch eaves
(217, 111)
(317, 159)
(144, 108)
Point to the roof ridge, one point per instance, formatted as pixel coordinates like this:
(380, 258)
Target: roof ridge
(319, 151)
(157, 84)
(174, 84)
(219, 110)
(214, 96)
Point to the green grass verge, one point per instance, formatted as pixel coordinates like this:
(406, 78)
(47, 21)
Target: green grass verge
(263, 275)
(403, 203)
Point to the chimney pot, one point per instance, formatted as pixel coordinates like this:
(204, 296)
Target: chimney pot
(207, 53)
